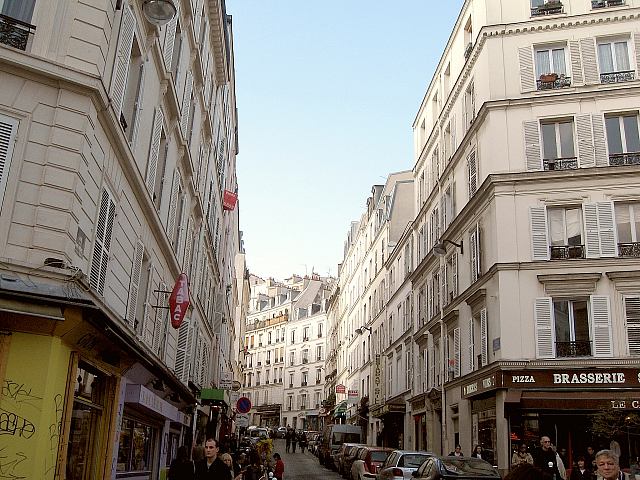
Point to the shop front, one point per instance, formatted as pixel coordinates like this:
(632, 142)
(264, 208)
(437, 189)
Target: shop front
(392, 415)
(269, 415)
(419, 413)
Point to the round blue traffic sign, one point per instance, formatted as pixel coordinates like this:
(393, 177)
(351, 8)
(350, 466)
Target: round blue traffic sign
(243, 405)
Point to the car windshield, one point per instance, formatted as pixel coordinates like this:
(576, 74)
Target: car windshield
(379, 456)
(468, 467)
(343, 437)
(412, 461)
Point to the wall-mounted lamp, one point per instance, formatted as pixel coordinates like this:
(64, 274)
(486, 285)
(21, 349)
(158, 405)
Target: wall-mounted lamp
(159, 12)
(361, 330)
(440, 249)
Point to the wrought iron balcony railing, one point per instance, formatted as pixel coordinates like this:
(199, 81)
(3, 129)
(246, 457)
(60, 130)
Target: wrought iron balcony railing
(606, 3)
(561, 81)
(15, 33)
(566, 163)
(618, 77)
(566, 252)
(621, 159)
(573, 349)
(550, 8)
(629, 249)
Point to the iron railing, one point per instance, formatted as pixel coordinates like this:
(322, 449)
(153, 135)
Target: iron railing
(606, 3)
(561, 82)
(580, 348)
(550, 8)
(15, 33)
(631, 249)
(566, 252)
(621, 159)
(618, 77)
(565, 163)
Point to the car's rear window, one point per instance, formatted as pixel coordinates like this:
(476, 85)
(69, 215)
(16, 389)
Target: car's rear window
(412, 461)
(379, 456)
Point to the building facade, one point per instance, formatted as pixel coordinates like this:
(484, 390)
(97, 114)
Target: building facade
(118, 144)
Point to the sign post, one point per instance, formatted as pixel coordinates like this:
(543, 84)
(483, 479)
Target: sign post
(243, 405)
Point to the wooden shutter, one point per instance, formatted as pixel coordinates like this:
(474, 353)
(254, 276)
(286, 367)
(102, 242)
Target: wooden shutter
(527, 76)
(154, 150)
(600, 234)
(186, 104)
(134, 284)
(188, 248)
(104, 230)
(173, 206)
(137, 107)
(632, 317)
(8, 129)
(636, 44)
(589, 61)
(456, 352)
(576, 63)
(601, 326)
(545, 334)
(471, 353)
(452, 126)
(169, 38)
(182, 229)
(484, 338)
(197, 15)
(182, 356)
(472, 169)
(454, 273)
(160, 319)
(586, 156)
(532, 153)
(539, 234)
(599, 140)
(473, 242)
(123, 58)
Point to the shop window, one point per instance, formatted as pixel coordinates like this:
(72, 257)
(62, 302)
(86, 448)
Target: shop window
(135, 449)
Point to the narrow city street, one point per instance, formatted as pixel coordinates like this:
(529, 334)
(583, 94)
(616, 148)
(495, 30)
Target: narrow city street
(298, 466)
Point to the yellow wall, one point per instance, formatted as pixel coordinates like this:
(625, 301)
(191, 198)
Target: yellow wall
(31, 405)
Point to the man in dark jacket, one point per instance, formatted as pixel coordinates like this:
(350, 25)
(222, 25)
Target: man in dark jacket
(547, 460)
(211, 467)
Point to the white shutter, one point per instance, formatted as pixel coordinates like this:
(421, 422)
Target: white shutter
(454, 273)
(527, 77)
(532, 153)
(484, 338)
(137, 107)
(539, 237)
(599, 141)
(154, 149)
(205, 363)
(186, 104)
(545, 333)
(134, 284)
(182, 365)
(589, 61)
(104, 230)
(452, 124)
(182, 229)
(601, 326)
(632, 317)
(576, 63)
(173, 206)
(123, 58)
(432, 367)
(471, 353)
(188, 248)
(473, 242)
(584, 134)
(169, 38)
(456, 352)
(600, 230)
(592, 240)
(472, 169)
(196, 21)
(636, 44)
(8, 129)
(160, 319)
(195, 376)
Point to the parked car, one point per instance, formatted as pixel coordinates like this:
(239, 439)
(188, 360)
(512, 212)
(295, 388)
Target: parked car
(347, 460)
(314, 443)
(338, 457)
(456, 468)
(257, 434)
(400, 464)
(368, 462)
(333, 437)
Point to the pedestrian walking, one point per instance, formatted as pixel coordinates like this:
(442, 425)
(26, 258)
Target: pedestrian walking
(278, 470)
(211, 467)
(287, 437)
(521, 456)
(478, 452)
(254, 470)
(182, 467)
(294, 441)
(547, 460)
(582, 471)
(228, 461)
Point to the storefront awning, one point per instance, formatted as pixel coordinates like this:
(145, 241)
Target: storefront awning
(583, 400)
(340, 409)
(214, 396)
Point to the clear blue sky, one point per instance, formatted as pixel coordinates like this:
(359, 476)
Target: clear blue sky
(326, 94)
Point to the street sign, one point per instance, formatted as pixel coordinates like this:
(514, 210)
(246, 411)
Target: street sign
(243, 405)
(226, 380)
(242, 420)
(236, 385)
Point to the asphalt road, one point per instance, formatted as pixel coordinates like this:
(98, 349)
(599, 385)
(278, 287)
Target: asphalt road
(302, 466)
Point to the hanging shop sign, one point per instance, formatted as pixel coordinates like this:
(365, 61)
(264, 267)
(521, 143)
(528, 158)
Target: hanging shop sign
(229, 200)
(378, 381)
(341, 389)
(179, 300)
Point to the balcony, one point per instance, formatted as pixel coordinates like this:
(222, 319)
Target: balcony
(258, 383)
(573, 349)
(303, 384)
(291, 385)
(552, 82)
(267, 382)
(621, 159)
(606, 3)
(281, 359)
(566, 252)
(268, 362)
(549, 8)
(566, 163)
(15, 33)
(318, 381)
(305, 339)
(629, 249)
(305, 360)
(618, 77)
(467, 50)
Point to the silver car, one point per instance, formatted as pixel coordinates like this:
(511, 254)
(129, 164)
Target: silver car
(400, 464)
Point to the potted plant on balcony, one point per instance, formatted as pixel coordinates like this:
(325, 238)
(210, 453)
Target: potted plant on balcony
(548, 77)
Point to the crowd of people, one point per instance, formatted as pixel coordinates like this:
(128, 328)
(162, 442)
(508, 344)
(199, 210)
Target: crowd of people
(293, 438)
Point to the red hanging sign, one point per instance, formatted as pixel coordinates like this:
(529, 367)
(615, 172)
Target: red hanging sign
(179, 300)
(229, 200)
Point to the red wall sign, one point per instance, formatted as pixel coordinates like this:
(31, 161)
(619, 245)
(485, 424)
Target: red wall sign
(229, 200)
(179, 300)
(341, 389)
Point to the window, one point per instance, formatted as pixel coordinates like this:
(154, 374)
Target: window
(571, 328)
(102, 246)
(319, 330)
(451, 271)
(8, 129)
(318, 375)
(305, 356)
(613, 60)
(623, 139)
(290, 402)
(293, 337)
(291, 380)
(546, 7)
(565, 232)
(292, 358)
(472, 174)
(319, 353)
(469, 105)
(135, 448)
(628, 228)
(408, 370)
(305, 334)
(156, 164)
(551, 68)
(557, 145)
(476, 253)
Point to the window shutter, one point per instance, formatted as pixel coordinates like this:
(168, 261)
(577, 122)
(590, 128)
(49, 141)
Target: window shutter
(154, 149)
(173, 206)
(539, 238)
(576, 63)
(186, 262)
(205, 362)
(137, 107)
(472, 169)
(636, 44)
(452, 124)
(8, 129)
(527, 77)
(160, 319)
(586, 156)
(545, 335)
(600, 229)
(589, 61)
(197, 15)
(632, 317)
(456, 352)
(599, 141)
(182, 364)
(484, 338)
(104, 229)
(454, 273)
(601, 321)
(182, 231)
(592, 240)
(471, 353)
(473, 241)
(432, 367)
(136, 271)
(169, 38)
(453, 201)
(186, 104)
(532, 153)
(196, 372)
(123, 58)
